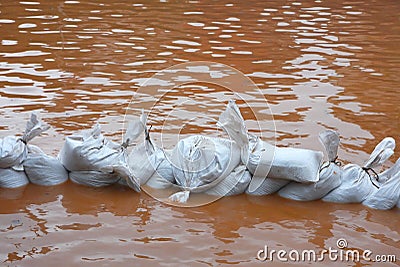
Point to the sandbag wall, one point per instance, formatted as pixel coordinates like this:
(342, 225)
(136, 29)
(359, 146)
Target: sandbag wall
(201, 164)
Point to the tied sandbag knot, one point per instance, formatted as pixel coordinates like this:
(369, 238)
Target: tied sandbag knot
(376, 176)
(328, 163)
(336, 161)
(22, 140)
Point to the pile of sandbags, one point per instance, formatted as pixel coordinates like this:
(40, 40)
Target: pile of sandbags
(357, 182)
(201, 164)
(197, 164)
(271, 167)
(21, 162)
(298, 174)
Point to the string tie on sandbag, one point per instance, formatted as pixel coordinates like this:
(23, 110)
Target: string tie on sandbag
(376, 176)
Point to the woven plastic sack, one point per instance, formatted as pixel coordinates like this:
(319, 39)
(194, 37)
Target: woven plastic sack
(13, 149)
(234, 184)
(200, 163)
(93, 178)
(163, 177)
(90, 152)
(330, 174)
(13, 152)
(10, 178)
(388, 194)
(357, 182)
(42, 169)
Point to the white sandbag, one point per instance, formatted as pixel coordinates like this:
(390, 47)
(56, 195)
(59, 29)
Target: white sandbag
(149, 163)
(90, 151)
(143, 160)
(89, 155)
(10, 178)
(13, 149)
(265, 160)
(357, 182)
(388, 194)
(330, 174)
(234, 184)
(200, 162)
(94, 178)
(384, 176)
(262, 186)
(42, 169)
(163, 177)
(296, 164)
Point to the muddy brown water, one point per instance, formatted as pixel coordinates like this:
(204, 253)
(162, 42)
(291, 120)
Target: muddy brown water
(319, 64)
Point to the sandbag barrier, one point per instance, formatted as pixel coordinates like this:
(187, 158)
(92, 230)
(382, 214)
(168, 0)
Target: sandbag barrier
(200, 164)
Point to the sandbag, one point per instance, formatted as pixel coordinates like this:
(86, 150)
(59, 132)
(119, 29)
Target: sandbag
(357, 182)
(264, 160)
(94, 178)
(149, 163)
(42, 169)
(200, 162)
(13, 149)
(234, 184)
(330, 174)
(10, 178)
(262, 186)
(163, 177)
(144, 159)
(388, 194)
(295, 164)
(91, 153)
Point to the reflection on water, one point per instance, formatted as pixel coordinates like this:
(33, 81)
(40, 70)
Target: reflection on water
(319, 64)
(112, 225)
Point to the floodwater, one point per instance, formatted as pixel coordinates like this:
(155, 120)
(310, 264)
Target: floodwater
(318, 64)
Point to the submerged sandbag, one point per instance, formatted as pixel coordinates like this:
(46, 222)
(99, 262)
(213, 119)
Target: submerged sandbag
(200, 163)
(357, 182)
(10, 178)
(149, 163)
(144, 158)
(330, 174)
(388, 194)
(94, 178)
(262, 186)
(234, 184)
(90, 152)
(267, 161)
(42, 169)
(163, 177)
(13, 151)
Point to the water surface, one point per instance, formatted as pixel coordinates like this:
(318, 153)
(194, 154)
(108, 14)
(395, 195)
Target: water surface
(319, 64)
